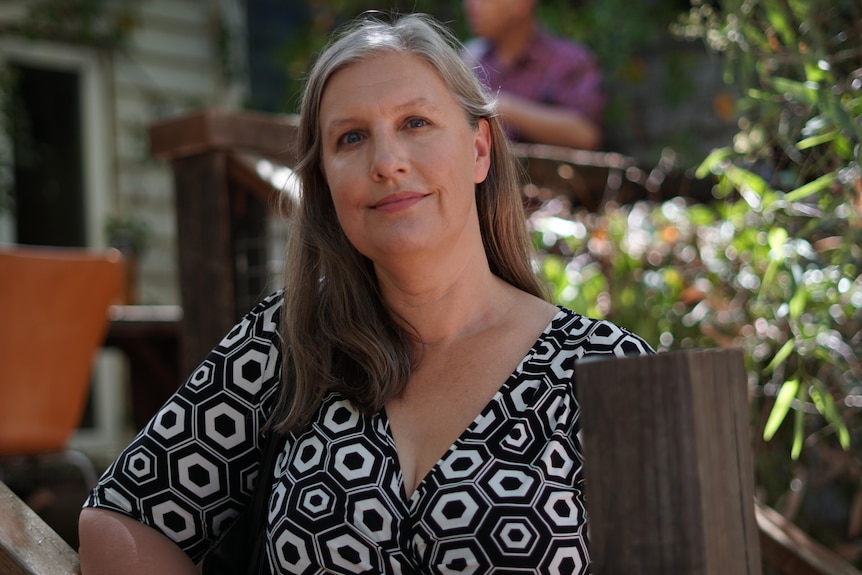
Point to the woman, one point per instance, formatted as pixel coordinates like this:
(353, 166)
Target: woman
(427, 400)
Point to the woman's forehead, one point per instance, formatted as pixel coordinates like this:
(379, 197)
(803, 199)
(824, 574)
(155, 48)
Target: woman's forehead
(390, 63)
(388, 78)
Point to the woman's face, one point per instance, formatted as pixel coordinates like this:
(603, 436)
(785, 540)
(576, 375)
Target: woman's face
(400, 158)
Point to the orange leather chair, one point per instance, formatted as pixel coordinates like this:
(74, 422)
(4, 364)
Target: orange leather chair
(54, 305)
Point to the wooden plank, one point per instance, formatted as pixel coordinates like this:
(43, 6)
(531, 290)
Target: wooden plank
(28, 546)
(592, 179)
(667, 464)
(589, 179)
(792, 552)
(212, 129)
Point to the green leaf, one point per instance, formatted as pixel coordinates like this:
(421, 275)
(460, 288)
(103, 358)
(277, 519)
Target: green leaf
(798, 91)
(816, 140)
(779, 21)
(744, 179)
(798, 301)
(782, 405)
(813, 73)
(769, 276)
(810, 188)
(826, 406)
(714, 158)
(777, 237)
(781, 356)
(798, 425)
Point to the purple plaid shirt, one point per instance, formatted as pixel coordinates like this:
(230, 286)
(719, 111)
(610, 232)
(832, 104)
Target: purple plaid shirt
(551, 70)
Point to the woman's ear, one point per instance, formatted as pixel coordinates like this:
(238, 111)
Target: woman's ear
(482, 147)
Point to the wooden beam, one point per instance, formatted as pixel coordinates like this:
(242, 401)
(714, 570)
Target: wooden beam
(667, 462)
(221, 210)
(28, 546)
(789, 550)
(211, 129)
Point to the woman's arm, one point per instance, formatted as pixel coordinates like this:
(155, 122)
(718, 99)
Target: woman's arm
(112, 543)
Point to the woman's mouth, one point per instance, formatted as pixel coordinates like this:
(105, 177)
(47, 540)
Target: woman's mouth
(398, 201)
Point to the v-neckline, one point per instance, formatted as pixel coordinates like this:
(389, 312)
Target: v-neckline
(412, 499)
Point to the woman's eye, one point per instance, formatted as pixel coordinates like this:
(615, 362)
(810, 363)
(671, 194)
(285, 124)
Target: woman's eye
(350, 138)
(416, 122)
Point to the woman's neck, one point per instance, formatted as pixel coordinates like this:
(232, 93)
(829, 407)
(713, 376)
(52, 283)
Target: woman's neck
(447, 304)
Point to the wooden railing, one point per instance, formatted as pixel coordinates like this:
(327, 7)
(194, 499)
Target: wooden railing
(28, 546)
(222, 205)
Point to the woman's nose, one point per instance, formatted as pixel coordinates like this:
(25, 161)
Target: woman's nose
(388, 158)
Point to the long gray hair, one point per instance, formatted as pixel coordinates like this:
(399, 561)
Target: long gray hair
(337, 333)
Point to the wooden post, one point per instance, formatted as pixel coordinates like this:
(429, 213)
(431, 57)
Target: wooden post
(668, 464)
(221, 224)
(28, 546)
(205, 253)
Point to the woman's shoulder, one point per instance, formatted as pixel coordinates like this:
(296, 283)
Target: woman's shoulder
(262, 321)
(590, 336)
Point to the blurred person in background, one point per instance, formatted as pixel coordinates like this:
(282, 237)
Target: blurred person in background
(549, 89)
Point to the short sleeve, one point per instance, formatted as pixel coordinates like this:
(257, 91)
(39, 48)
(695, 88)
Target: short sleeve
(607, 338)
(193, 467)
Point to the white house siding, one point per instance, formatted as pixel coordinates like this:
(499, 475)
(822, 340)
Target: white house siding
(171, 65)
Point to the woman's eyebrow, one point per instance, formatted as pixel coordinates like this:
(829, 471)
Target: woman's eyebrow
(347, 121)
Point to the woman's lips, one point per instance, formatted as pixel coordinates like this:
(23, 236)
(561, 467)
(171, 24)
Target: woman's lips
(398, 202)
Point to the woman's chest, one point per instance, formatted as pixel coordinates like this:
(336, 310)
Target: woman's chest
(506, 494)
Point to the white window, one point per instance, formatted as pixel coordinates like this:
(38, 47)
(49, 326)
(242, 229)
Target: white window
(54, 153)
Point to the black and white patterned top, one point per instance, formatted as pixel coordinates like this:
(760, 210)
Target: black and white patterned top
(506, 496)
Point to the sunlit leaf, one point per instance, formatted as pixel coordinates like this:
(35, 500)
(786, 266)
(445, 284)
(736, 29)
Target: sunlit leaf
(798, 91)
(744, 179)
(843, 433)
(798, 425)
(798, 301)
(673, 278)
(768, 276)
(701, 215)
(816, 140)
(843, 147)
(782, 405)
(779, 21)
(810, 188)
(712, 161)
(777, 238)
(825, 404)
(781, 356)
(814, 73)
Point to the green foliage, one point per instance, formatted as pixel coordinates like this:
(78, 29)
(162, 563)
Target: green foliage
(796, 161)
(99, 23)
(774, 266)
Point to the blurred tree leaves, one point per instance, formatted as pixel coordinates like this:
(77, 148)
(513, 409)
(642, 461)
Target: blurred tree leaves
(773, 265)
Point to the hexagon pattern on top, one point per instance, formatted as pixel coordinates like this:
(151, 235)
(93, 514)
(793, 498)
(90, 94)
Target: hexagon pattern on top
(506, 497)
